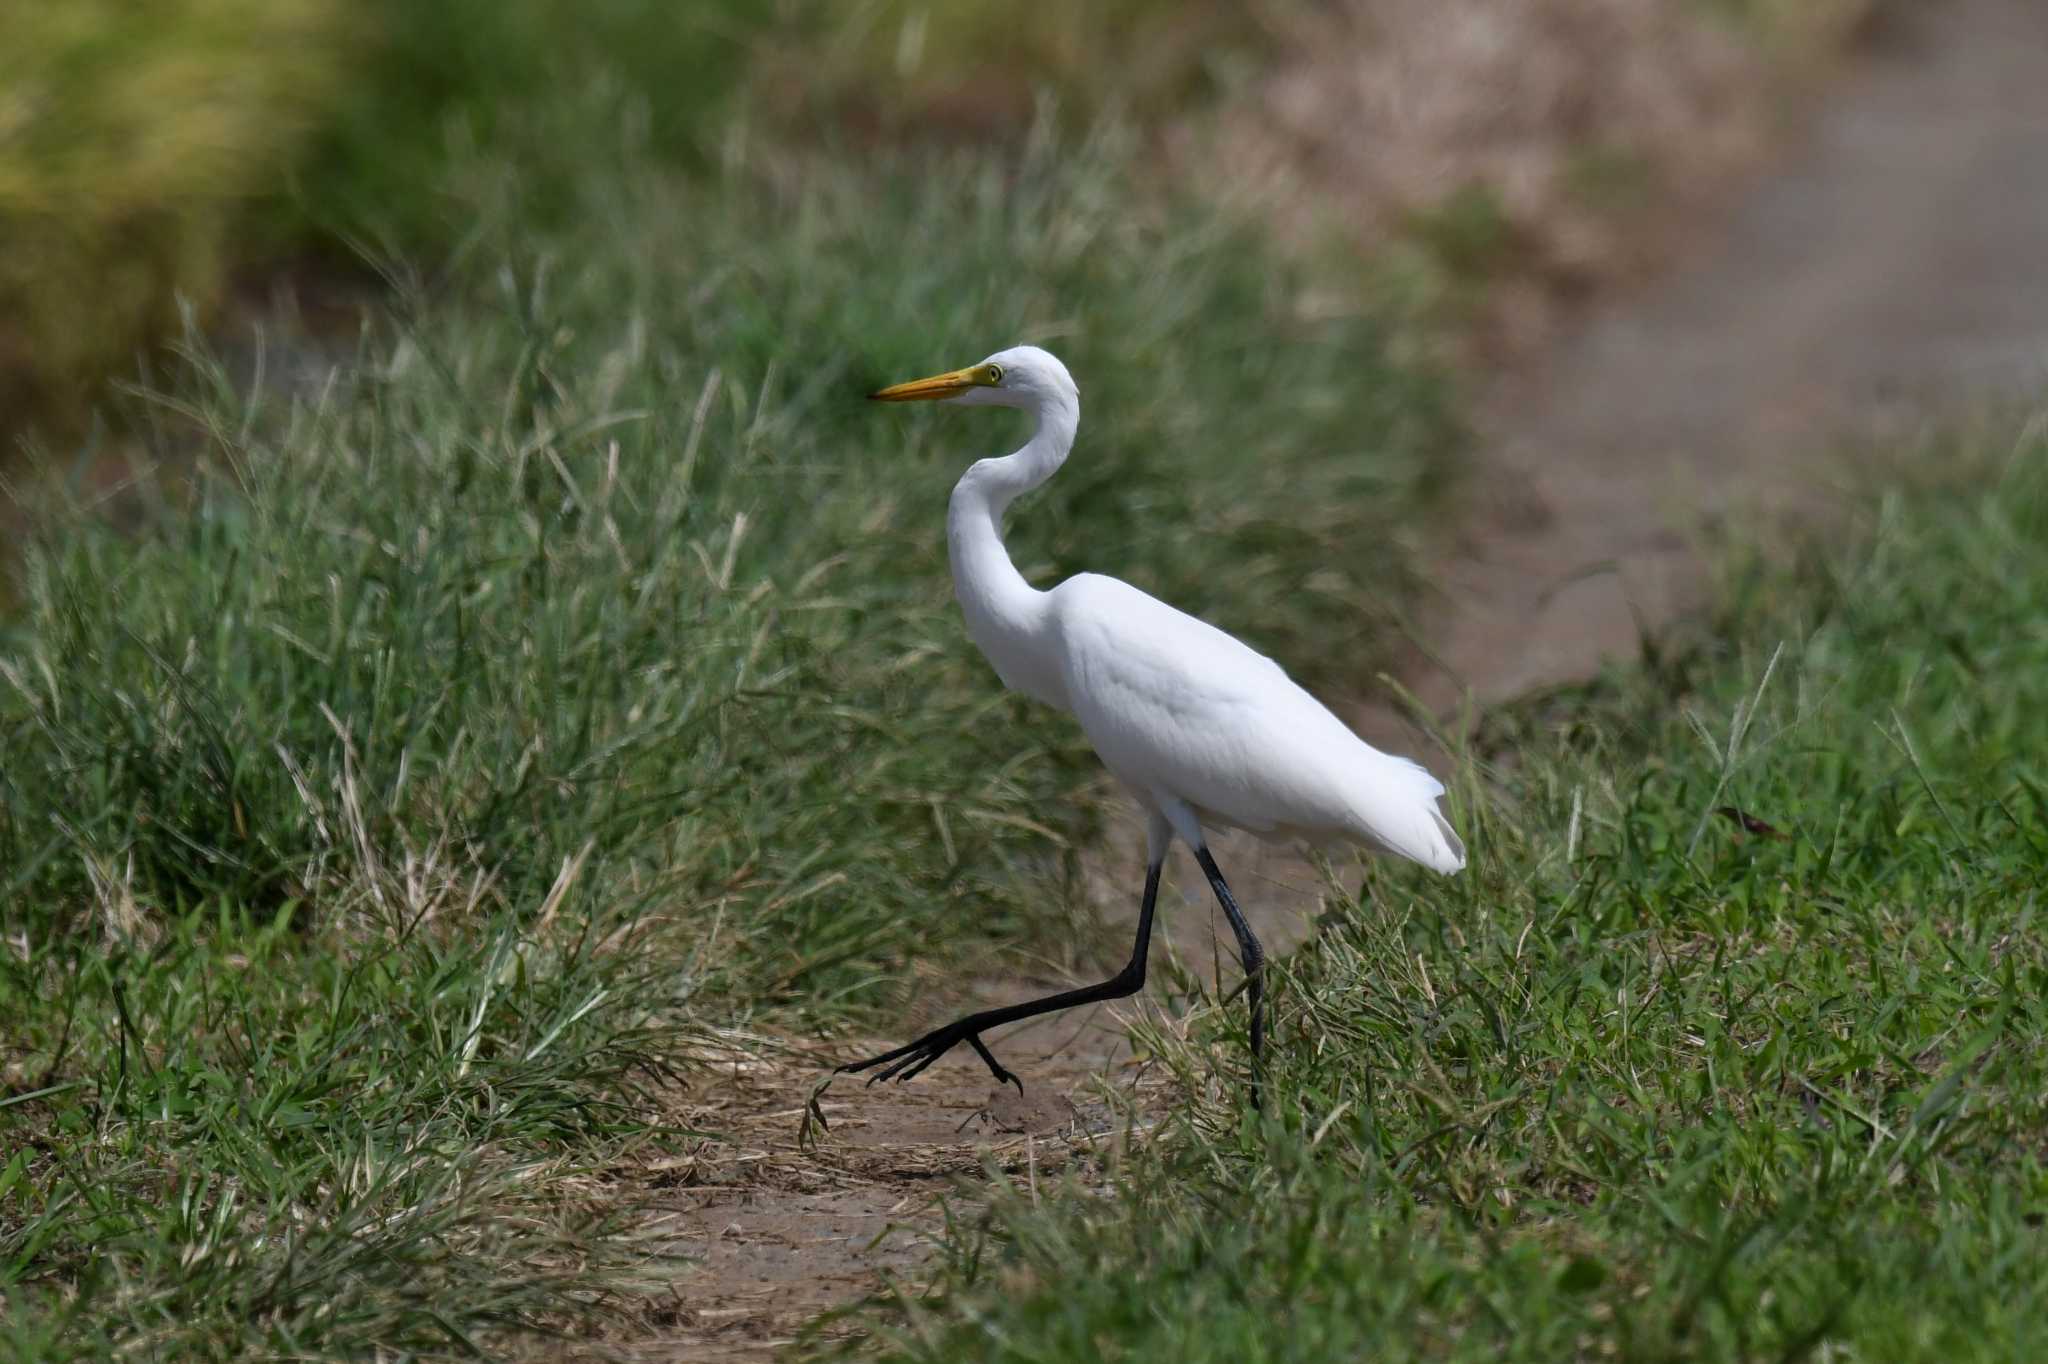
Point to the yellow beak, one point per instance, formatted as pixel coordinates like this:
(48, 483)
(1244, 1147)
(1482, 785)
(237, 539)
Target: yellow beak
(927, 390)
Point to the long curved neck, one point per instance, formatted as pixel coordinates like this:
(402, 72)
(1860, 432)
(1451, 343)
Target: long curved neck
(1005, 613)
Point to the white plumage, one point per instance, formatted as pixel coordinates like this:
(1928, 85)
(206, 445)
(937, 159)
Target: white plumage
(1202, 729)
(1180, 711)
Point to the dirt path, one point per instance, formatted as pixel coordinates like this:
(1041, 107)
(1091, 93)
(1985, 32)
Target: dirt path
(1893, 265)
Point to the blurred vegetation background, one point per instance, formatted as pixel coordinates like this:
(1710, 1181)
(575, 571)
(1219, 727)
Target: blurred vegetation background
(153, 152)
(150, 151)
(130, 137)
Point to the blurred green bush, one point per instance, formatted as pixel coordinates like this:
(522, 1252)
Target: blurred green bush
(130, 135)
(541, 83)
(975, 67)
(148, 145)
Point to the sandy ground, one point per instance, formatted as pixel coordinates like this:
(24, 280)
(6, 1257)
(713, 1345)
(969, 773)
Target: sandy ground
(785, 1225)
(1890, 268)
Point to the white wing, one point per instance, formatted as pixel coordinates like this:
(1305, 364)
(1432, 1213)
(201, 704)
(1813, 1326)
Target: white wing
(1178, 709)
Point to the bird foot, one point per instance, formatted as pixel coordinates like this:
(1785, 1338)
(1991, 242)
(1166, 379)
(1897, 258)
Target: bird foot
(908, 1061)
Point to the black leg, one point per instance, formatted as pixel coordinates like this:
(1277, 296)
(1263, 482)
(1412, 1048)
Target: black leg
(906, 1061)
(1253, 954)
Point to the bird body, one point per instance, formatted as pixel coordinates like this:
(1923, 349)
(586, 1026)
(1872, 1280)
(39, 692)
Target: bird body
(1204, 730)
(1180, 711)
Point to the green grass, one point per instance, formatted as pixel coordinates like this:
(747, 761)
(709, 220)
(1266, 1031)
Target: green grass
(1640, 1084)
(406, 771)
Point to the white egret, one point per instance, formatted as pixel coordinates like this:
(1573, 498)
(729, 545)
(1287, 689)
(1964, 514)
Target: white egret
(1204, 731)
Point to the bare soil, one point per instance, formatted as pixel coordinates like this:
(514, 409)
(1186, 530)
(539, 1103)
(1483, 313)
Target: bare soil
(787, 1221)
(1889, 269)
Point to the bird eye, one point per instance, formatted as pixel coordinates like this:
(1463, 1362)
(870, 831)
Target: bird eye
(995, 374)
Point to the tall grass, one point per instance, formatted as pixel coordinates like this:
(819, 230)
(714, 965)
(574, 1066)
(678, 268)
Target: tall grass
(430, 755)
(1729, 1044)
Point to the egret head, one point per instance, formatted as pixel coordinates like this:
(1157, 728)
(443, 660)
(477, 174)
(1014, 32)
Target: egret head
(1022, 376)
